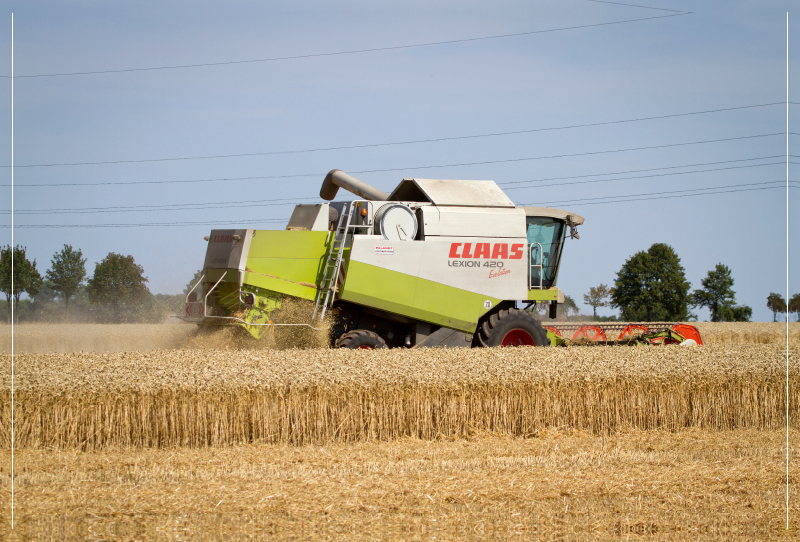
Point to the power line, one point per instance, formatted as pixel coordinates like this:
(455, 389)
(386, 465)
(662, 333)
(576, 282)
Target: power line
(394, 143)
(351, 52)
(645, 176)
(411, 168)
(633, 5)
(170, 207)
(162, 208)
(657, 196)
(668, 196)
(662, 193)
(573, 155)
(294, 201)
(147, 224)
(154, 182)
(649, 169)
(501, 184)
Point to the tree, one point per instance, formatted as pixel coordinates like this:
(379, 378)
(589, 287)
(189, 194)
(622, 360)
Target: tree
(739, 313)
(652, 286)
(567, 307)
(25, 277)
(66, 273)
(563, 310)
(794, 305)
(117, 279)
(776, 304)
(717, 294)
(597, 297)
(46, 292)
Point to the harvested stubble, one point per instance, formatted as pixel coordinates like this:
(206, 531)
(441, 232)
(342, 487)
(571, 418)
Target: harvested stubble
(560, 485)
(51, 338)
(213, 398)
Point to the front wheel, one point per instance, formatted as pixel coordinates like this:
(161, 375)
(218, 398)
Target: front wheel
(360, 339)
(512, 327)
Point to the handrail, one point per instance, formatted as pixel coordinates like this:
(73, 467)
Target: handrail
(206, 315)
(205, 299)
(193, 287)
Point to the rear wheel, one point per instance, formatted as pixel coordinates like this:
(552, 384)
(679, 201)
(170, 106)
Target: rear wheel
(360, 339)
(512, 327)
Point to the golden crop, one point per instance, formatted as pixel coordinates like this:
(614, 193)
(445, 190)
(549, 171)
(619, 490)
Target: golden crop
(748, 332)
(214, 398)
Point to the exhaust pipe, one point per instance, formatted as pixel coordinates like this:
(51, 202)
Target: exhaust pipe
(337, 178)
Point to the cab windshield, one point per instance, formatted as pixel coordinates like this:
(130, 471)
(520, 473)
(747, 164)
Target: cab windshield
(545, 238)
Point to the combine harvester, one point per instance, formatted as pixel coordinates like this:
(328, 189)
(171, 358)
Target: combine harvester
(434, 263)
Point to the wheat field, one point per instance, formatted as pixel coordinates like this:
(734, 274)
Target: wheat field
(747, 332)
(559, 484)
(217, 441)
(55, 338)
(202, 398)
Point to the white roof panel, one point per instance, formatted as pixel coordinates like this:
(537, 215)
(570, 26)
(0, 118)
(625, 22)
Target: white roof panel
(450, 192)
(553, 213)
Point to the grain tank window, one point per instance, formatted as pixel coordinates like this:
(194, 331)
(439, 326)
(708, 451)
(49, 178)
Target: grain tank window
(549, 233)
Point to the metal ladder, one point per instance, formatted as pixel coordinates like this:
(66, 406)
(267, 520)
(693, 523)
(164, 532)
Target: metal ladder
(533, 265)
(333, 266)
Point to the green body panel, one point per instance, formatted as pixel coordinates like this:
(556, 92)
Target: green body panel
(288, 244)
(261, 313)
(542, 295)
(287, 262)
(555, 340)
(255, 316)
(414, 297)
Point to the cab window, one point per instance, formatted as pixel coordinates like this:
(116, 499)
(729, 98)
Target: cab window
(547, 233)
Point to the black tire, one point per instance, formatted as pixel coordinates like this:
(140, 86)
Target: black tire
(360, 338)
(512, 327)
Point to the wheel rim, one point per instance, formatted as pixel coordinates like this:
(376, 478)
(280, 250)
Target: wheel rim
(517, 337)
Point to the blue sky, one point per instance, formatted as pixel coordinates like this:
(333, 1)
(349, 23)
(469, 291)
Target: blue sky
(723, 55)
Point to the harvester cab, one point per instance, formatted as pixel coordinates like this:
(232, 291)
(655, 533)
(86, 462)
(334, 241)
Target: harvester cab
(434, 263)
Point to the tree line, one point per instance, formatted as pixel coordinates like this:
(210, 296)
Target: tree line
(651, 286)
(116, 292)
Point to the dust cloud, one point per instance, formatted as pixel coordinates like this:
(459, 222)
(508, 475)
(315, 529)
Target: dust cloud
(61, 338)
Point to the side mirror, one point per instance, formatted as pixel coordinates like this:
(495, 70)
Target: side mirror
(573, 229)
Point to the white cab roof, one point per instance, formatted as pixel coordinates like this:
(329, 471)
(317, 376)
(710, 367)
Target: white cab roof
(448, 192)
(553, 213)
